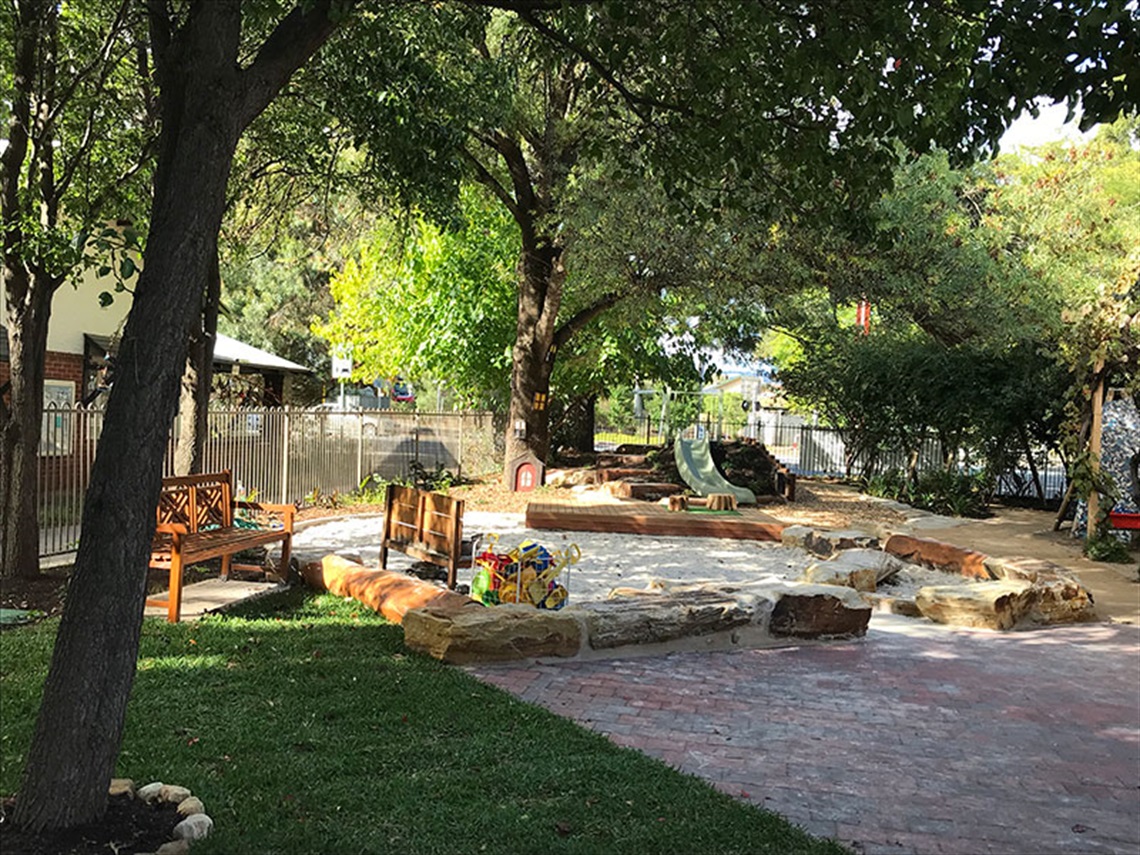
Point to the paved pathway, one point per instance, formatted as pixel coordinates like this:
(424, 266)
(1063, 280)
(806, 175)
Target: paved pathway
(918, 739)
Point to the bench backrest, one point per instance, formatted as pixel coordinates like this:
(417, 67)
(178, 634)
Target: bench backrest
(441, 522)
(434, 520)
(197, 501)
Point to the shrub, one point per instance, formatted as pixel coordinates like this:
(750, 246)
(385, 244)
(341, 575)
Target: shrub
(945, 492)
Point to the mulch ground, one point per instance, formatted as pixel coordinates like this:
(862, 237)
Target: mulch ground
(130, 826)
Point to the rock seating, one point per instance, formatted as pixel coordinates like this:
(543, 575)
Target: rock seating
(458, 630)
(1004, 593)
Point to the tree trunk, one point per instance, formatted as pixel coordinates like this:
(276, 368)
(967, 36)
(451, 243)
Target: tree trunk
(580, 416)
(20, 421)
(81, 718)
(207, 101)
(197, 381)
(541, 277)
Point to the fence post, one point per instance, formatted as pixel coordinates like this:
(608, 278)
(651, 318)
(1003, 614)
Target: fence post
(459, 461)
(360, 448)
(285, 457)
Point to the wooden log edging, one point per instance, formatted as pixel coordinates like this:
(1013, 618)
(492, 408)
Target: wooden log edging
(389, 592)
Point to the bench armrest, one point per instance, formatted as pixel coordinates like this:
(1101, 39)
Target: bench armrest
(172, 528)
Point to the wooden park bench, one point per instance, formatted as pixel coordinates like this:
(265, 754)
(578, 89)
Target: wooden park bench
(196, 522)
(428, 527)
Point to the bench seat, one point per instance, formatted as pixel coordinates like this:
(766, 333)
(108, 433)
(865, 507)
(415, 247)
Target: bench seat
(195, 522)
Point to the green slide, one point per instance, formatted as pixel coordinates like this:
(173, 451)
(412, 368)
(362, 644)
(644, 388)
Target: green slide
(695, 463)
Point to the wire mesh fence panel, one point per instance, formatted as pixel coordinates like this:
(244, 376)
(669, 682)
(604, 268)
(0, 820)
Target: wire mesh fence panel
(277, 455)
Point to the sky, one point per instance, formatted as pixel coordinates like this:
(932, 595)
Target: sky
(1049, 126)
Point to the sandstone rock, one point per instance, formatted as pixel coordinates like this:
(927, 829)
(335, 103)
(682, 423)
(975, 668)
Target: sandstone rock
(191, 806)
(986, 605)
(818, 611)
(895, 605)
(1060, 600)
(150, 792)
(861, 569)
(795, 535)
(122, 786)
(829, 573)
(491, 634)
(939, 555)
(653, 618)
(174, 847)
(826, 543)
(173, 795)
(194, 827)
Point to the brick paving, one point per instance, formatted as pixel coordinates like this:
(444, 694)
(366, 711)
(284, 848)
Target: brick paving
(918, 739)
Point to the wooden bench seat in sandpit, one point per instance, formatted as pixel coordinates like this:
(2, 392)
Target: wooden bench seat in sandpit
(428, 527)
(196, 522)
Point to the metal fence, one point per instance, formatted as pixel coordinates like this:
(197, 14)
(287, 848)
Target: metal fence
(278, 455)
(812, 450)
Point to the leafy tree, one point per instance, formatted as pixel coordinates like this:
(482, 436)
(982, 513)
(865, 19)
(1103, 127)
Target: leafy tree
(79, 140)
(425, 302)
(716, 98)
(207, 96)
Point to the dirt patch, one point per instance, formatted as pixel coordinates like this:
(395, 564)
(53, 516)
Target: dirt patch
(130, 826)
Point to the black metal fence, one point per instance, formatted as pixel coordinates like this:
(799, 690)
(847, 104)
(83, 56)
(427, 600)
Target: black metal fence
(812, 450)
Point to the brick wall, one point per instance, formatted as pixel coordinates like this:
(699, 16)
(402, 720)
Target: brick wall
(57, 366)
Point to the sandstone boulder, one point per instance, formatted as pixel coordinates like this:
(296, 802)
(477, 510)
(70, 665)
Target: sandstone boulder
(650, 618)
(173, 795)
(191, 806)
(150, 792)
(824, 542)
(122, 786)
(818, 611)
(939, 555)
(1058, 596)
(985, 605)
(795, 535)
(861, 569)
(491, 634)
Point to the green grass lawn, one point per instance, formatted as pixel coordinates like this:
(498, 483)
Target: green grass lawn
(305, 728)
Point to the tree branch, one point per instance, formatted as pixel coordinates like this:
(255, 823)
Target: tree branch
(484, 177)
(297, 37)
(637, 103)
(579, 320)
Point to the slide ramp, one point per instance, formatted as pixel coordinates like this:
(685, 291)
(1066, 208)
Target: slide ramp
(695, 463)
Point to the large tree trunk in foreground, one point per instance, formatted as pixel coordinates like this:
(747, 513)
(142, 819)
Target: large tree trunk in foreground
(197, 381)
(207, 100)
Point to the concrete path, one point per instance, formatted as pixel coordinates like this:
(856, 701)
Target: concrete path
(918, 739)
(211, 595)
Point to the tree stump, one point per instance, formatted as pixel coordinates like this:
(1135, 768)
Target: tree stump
(721, 502)
(678, 503)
